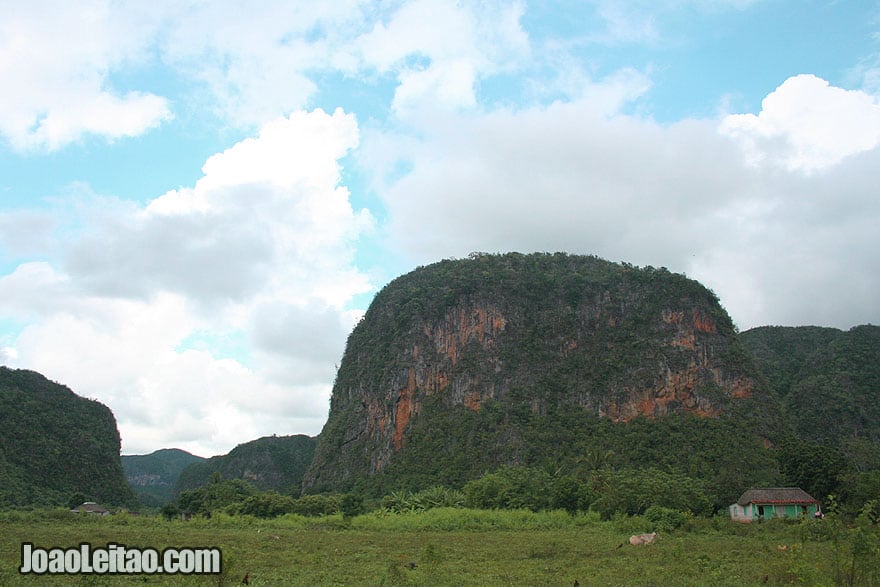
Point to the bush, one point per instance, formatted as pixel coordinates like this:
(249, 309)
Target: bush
(351, 505)
(510, 488)
(316, 505)
(570, 494)
(665, 519)
(633, 491)
(434, 497)
(268, 504)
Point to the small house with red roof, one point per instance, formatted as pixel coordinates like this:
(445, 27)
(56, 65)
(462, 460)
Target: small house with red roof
(773, 502)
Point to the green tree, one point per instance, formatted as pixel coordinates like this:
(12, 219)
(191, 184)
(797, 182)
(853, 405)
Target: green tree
(268, 504)
(813, 467)
(77, 499)
(351, 505)
(570, 494)
(316, 505)
(215, 496)
(633, 491)
(170, 511)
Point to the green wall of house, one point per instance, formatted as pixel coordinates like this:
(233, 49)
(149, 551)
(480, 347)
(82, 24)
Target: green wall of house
(785, 511)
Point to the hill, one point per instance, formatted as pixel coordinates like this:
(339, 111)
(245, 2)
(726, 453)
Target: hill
(271, 462)
(153, 476)
(829, 383)
(463, 366)
(55, 445)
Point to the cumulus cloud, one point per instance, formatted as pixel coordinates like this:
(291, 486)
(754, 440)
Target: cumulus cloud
(55, 62)
(807, 124)
(262, 246)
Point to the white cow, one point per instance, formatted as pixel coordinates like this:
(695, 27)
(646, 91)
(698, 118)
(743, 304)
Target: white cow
(642, 539)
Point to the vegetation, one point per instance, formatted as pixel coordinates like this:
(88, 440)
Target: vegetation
(462, 547)
(271, 462)
(534, 487)
(153, 476)
(581, 337)
(55, 444)
(825, 376)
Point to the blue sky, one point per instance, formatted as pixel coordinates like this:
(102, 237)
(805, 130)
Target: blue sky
(199, 199)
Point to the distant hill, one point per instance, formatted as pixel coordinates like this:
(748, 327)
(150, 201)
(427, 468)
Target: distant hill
(55, 444)
(153, 476)
(544, 360)
(828, 379)
(271, 462)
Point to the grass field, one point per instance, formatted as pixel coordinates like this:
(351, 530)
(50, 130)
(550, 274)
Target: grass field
(457, 547)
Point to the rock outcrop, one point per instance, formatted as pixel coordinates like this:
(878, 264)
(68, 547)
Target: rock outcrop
(537, 333)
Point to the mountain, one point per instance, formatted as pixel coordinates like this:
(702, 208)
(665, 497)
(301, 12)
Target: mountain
(271, 462)
(828, 380)
(463, 366)
(153, 476)
(55, 445)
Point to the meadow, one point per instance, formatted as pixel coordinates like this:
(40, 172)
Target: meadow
(455, 546)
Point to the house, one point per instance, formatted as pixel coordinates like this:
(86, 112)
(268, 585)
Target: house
(773, 502)
(90, 507)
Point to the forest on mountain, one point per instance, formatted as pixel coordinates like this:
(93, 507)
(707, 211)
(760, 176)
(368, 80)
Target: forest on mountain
(828, 381)
(511, 381)
(275, 463)
(153, 476)
(552, 342)
(583, 340)
(56, 446)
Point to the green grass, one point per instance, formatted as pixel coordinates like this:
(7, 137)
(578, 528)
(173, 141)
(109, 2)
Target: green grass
(448, 546)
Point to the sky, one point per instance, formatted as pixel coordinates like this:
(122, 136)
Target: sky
(199, 199)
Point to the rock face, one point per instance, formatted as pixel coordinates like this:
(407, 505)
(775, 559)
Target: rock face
(515, 332)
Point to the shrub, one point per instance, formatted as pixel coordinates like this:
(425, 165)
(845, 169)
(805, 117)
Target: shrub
(434, 497)
(510, 488)
(665, 519)
(570, 494)
(632, 491)
(316, 505)
(351, 505)
(268, 504)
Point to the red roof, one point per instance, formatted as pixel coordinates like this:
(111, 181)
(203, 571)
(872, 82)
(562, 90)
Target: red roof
(776, 495)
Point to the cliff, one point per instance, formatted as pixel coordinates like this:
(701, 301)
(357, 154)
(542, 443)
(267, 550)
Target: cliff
(55, 445)
(465, 365)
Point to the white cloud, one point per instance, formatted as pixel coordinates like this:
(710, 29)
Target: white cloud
(262, 245)
(55, 62)
(573, 177)
(256, 63)
(439, 50)
(807, 124)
